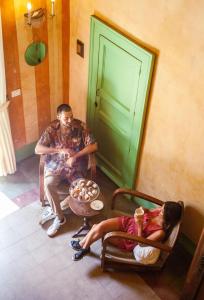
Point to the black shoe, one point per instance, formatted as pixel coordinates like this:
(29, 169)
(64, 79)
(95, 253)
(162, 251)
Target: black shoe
(80, 254)
(75, 245)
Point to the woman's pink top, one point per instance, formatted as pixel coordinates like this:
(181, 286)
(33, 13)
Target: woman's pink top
(128, 224)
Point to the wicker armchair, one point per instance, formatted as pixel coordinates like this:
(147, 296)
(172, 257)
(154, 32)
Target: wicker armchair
(113, 257)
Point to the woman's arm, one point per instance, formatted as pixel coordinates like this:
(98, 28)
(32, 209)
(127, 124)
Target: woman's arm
(157, 235)
(139, 222)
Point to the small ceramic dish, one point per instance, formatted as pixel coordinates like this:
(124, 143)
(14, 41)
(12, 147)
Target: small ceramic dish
(96, 204)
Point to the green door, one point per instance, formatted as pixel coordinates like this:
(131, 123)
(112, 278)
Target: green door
(119, 78)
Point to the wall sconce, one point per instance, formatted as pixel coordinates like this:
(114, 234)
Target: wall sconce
(52, 8)
(35, 18)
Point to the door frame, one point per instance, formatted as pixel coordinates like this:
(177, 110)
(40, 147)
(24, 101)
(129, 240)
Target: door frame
(97, 29)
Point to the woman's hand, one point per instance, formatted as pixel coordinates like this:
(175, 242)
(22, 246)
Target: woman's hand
(138, 219)
(138, 215)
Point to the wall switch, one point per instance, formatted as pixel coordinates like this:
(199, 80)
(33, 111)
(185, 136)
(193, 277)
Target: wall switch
(80, 48)
(15, 93)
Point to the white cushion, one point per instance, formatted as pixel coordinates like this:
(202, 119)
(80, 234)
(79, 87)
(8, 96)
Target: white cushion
(146, 255)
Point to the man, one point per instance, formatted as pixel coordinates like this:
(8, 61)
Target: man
(66, 144)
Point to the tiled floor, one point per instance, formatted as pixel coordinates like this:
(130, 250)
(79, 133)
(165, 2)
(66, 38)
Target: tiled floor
(34, 266)
(7, 206)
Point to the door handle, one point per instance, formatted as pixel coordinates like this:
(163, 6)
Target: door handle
(97, 97)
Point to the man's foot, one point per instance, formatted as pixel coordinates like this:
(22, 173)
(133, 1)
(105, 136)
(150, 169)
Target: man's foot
(64, 204)
(47, 215)
(53, 229)
(80, 254)
(75, 245)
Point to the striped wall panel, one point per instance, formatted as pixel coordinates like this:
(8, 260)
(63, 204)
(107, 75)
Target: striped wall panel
(45, 86)
(65, 49)
(12, 68)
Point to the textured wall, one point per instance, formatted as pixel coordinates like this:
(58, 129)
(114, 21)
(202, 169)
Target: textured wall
(171, 163)
(45, 86)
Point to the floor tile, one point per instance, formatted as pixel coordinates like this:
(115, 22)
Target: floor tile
(27, 197)
(36, 267)
(6, 206)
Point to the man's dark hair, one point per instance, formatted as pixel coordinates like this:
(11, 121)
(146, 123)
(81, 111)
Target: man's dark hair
(63, 107)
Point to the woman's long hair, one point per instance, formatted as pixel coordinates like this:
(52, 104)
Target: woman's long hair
(172, 214)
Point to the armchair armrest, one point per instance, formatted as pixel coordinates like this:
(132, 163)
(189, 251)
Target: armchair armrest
(124, 235)
(92, 164)
(135, 193)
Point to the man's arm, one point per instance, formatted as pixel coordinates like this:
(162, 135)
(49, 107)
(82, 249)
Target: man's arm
(40, 149)
(85, 151)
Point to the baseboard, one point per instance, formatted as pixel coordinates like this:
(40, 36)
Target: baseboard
(25, 152)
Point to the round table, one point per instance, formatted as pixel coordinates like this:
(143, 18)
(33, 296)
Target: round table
(82, 209)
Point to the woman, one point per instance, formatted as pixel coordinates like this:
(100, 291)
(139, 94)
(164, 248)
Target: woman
(154, 224)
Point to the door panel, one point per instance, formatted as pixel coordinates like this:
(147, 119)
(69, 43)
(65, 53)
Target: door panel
(116, 100)
(116, 93)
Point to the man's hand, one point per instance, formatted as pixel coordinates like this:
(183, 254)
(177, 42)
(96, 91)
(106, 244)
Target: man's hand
(65, 151)
(70, 162)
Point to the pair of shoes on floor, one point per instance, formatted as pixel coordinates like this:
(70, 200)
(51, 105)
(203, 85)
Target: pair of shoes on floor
(57, 223)
(46, 215)
(75, 245)
(80, 254)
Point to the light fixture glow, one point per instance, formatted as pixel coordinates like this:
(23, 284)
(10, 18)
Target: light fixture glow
(52, 8)
(29, 7)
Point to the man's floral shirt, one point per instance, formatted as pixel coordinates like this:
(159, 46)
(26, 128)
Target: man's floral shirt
(77, 138)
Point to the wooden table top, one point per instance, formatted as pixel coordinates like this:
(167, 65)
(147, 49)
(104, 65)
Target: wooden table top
(82, 208)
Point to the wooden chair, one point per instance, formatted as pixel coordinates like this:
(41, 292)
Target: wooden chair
(116, 258)
(91, 169)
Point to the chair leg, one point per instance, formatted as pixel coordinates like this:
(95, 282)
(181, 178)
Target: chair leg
(103, 256)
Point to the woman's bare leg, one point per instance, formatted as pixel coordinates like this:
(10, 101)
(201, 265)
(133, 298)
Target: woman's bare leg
(98, 230)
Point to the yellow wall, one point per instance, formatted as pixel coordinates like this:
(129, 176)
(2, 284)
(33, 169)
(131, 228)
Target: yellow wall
(172, 159)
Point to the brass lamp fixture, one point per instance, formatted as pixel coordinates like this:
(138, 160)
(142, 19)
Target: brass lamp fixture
(35, 18)
(52, 8)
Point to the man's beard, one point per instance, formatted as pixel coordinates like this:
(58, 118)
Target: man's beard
(66, 125)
